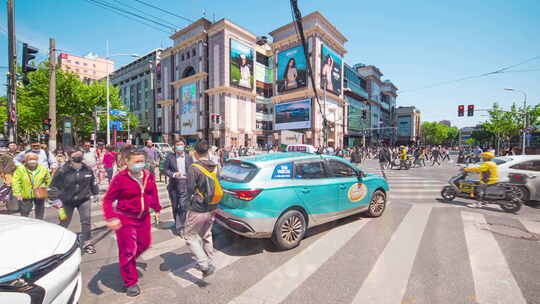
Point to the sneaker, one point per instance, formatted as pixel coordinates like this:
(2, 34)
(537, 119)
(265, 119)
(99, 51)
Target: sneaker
(209, 271)
(133, 291)
(89, 249)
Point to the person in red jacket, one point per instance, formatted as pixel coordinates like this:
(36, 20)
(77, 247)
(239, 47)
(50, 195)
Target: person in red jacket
(136, 192)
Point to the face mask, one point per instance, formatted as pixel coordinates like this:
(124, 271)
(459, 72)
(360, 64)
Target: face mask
(179, 148)
(137, 167)
(32, 163)
(77, 159)
(36, 150)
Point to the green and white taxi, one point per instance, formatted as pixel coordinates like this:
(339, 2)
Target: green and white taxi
(281, 195)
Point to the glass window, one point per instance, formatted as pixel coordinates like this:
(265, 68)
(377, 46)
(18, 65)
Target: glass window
(238, 172)
(531, 165)
(85, 64)
(182, 58)
(193, 53)
(76, 62)
(309, 170)
(340, 169)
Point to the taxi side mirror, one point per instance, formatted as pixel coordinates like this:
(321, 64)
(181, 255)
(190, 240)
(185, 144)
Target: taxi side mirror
(360, 175)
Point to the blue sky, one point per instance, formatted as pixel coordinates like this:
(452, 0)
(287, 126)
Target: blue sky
(415, 43)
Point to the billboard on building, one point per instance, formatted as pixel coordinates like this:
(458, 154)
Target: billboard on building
(188, 117)
(293, 115)
(331, 67)
(241, 65)
(404, 126)
(355, 115)
(292, 69)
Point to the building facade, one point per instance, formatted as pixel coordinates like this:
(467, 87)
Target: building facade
(222, 82)
(139, 83)
(89, 68)
(408, 125)
(358, 107)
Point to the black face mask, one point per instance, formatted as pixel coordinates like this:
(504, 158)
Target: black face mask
(77, 159)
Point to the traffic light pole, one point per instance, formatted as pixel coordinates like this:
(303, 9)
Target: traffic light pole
(52, 94)
(12, 83)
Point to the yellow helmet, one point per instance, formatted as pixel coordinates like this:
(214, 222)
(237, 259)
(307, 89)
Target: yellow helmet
(488, 155)
(402, 147)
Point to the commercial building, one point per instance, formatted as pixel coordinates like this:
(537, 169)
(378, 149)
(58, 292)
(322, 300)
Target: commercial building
(382, 103)
(89, 68)
(139, 83)
(222, 82)
(408, 125)
(446, 123)
(358, 106)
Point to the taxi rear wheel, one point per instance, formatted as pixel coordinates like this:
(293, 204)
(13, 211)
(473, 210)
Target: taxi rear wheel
(377, 204)
(289, 230)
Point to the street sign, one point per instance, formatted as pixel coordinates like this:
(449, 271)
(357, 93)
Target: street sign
(100, 108)
(118, 112)
(117, 124)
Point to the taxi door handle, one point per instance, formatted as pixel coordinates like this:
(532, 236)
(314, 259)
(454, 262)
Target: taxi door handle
(342, 186)
(305, 190)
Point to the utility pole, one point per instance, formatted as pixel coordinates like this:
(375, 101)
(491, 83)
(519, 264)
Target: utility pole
(12, 81)
(52, 94)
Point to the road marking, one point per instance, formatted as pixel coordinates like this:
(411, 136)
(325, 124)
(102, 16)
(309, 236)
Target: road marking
(531, 226)
(280, 283)
(188, 275)
(493, 280)
(163, 247)
(412, 190)
(394, 265)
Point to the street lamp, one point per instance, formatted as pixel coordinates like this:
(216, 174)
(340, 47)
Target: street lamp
(524, 116)
(108, 101)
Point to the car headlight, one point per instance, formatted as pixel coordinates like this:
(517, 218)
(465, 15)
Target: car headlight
(24, 279)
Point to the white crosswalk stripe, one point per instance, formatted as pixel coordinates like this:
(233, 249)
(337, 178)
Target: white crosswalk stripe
(404, 241)
(493, 280)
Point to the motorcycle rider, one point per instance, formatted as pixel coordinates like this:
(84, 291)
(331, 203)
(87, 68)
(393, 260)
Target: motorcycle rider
(488, 173)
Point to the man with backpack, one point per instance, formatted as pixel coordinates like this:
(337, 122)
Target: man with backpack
(204, 193)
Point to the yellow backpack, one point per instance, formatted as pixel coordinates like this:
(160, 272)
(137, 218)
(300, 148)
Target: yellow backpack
(211, 177)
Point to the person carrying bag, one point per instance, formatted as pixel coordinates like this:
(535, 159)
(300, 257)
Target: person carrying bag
(30, 186)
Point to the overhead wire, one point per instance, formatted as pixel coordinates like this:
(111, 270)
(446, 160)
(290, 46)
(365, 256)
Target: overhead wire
(147, 14)
(164, 11)
(502, 70)
(116, 9)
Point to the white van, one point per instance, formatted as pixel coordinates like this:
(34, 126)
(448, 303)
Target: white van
(301, 148)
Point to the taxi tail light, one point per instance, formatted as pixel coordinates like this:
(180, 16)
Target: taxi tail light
(246, 195)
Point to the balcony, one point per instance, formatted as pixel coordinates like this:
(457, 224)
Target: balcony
(356, 89)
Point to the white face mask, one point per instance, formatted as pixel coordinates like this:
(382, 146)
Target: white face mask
(32, 163)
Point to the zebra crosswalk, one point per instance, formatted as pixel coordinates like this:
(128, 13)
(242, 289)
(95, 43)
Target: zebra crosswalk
(414, 253)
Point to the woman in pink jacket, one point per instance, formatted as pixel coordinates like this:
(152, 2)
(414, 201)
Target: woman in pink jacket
(136, 192)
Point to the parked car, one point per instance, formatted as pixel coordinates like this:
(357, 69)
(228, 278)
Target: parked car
(281, 195)
(39, 262)
(163, 147)
(529, 166)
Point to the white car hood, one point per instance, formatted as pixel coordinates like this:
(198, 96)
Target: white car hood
(26, 241)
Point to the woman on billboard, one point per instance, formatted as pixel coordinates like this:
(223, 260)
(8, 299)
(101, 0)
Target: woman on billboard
(327, 73)
(291, 73)
(245, 73)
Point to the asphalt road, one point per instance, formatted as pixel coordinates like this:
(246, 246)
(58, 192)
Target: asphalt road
(422, 250)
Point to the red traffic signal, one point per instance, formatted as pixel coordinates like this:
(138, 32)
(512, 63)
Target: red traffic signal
(470, 110)
(461, 110)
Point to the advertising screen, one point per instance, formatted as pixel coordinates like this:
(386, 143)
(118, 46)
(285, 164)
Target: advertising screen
(188, 119)
(292, 69)
(404, 126)
(330, 71)
(293, 115)
(241, 69)
(355, 115)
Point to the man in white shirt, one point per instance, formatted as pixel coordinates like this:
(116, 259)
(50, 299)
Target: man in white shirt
(176, 167)
(46, 158)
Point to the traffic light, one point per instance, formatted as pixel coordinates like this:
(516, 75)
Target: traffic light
(46, 124)
(461, 110)
(470, 110)
(364, 114)
(27, 56)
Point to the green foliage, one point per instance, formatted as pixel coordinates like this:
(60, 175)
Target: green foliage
(435, 133)
(73, 98)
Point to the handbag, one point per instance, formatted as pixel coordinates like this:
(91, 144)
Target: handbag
(41, 192)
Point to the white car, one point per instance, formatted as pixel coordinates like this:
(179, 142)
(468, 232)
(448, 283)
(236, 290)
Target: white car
(163, 147)
(528, 165)
(39, 262)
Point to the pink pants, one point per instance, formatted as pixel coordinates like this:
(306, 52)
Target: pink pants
(133, 238)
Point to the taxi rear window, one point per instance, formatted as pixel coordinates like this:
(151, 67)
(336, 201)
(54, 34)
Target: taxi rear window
(238, 172)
